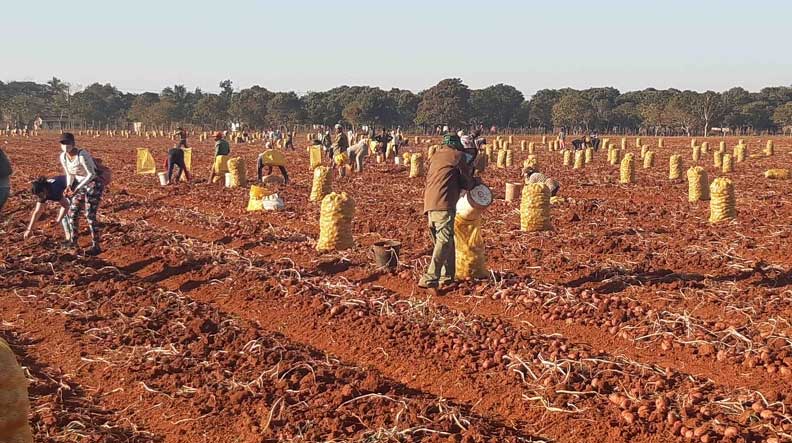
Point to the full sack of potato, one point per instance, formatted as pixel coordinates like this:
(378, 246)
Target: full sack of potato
(416, 165)
(236, 167)
(335, 222)
(322, 183)
(14, 403)
(220, 167)
(471, 258)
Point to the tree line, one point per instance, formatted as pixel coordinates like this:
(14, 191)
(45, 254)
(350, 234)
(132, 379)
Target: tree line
(450, 102)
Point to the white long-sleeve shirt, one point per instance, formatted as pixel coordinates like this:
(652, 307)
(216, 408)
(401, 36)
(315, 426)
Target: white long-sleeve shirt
(80, 168)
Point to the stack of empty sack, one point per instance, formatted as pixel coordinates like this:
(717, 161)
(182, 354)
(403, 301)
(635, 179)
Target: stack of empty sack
(335, 222)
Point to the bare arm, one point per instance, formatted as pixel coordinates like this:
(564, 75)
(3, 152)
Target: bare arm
(37, 211)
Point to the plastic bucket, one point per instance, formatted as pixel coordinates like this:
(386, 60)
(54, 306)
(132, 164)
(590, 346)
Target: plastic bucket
(471, 203)
(163, 178)
(512, 191)
(386, 253)
(397, 160)
(227, 179)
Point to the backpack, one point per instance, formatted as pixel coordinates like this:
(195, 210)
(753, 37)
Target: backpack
(5, 165)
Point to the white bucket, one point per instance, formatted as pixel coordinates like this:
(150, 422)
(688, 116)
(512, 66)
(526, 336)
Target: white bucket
(471, 203)
(163, 178)
(397, 160)
(227, 179)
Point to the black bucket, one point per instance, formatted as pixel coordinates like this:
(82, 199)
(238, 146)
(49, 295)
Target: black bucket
(386, 253)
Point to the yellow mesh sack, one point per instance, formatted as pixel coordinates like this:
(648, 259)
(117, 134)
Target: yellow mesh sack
(648, 160)
(589, 156)
(579, 160)
(14, 403)
(431, 151)
(341, 159)
(717, 159)
(220, 167)
(509, 158)
(471, 258)
(322, 183)
(188, 158)
(257, 193)
(704, 147)
(698, 184)
(501, 159)
(696, 155)
(145, 162)
(615, 154)
(406, 157)
(660, 143)
(627, 170)
(335, 222)
(535, 208)
(236, 167)
(675, 167)
(314, 157)
(531, 148)
(567, 157)
(390, 149)
(722, 204)
(416, 165)
(722, 147)
(777, 174)
(727, 164)
(644, 148)
(740, 152)
(769, 148)
(531, 161)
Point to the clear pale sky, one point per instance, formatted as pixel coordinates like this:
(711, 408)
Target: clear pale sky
(316, 45)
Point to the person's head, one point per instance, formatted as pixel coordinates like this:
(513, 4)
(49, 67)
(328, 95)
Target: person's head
(218, 135)
(268, 145)
(338, 128)
(528, 170)
(39, 188)
(67, 142)
(452, 141)
(182, 144)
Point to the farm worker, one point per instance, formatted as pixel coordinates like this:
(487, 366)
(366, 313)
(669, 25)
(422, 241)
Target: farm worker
(382, 141)
(49, 190)
(562, 138)
(358, 153)
(579, 143)
(339, 146)
(182, 134)
(5, 178)
(289, 144)
(595, 141)
(327, 142)
(221, 148)
(176, 158)
(83, 186)
(532, 175)
(448, 175)
(271, 158)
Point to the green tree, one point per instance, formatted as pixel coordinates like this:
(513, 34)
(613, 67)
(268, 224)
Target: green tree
(573, 110)
(782, 116)
(249, 106)
(541, 108)
(445, 103)
(496, 105)
(284, 108)
(100, 103)
(210, 111)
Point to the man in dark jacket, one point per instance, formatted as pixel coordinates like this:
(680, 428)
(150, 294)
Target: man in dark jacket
(448, 175)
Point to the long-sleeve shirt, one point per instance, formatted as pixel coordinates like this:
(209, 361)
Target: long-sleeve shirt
(340, 141)
(448, 175)
(222, 148)
(79, 169)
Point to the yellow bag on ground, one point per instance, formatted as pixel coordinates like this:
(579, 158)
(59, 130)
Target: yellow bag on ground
(698, 184)
(431, 151)
(416, 165)
(471, 259)
(322, 183)
(722, 203)
(535, 208)
(390, 150)
(778, 174)
(236, 167)
(675, 167)
(145, 162)
(501, 161)
(315, 156)
(272, 157)
(341, 159)
(335, 222)
(188, 158)
(406, 157)
(14, 403)
(257, 194)
(627, 170)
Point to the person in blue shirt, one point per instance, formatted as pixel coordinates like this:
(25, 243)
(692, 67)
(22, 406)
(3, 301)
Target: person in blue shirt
(49, 190)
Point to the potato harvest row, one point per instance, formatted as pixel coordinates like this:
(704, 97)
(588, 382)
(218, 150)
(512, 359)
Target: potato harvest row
(635, 318)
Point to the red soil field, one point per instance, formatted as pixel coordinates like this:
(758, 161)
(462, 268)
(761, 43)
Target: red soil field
(633, 320)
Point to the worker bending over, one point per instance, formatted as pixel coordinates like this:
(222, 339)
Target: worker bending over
(532, 175)
(49, 190)
(269, 159)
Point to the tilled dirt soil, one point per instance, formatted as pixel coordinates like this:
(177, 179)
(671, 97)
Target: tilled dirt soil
(633, 320)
